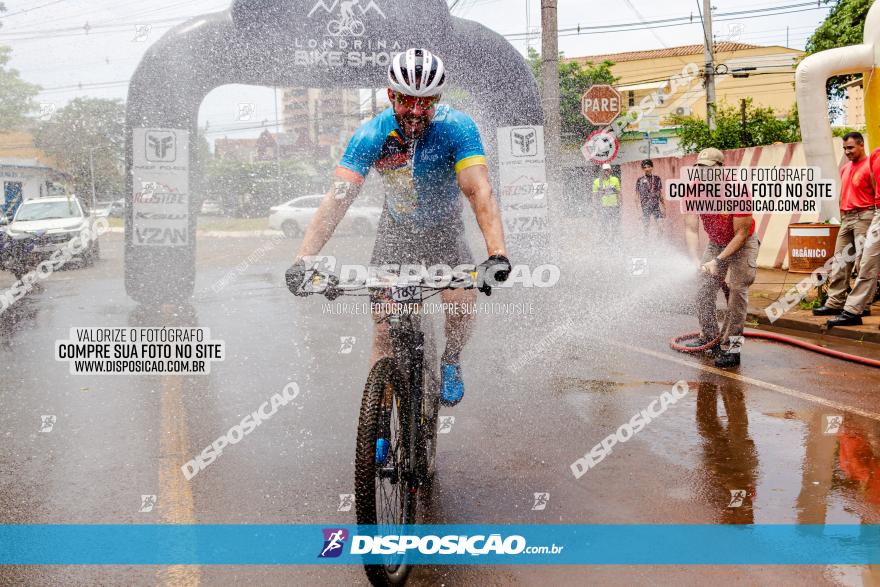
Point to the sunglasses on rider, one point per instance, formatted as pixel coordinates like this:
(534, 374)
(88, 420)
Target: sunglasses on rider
(412, 101)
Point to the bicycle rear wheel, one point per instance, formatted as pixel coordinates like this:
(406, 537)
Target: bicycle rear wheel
(384, 492)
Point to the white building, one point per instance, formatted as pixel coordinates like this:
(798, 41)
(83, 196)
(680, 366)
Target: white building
(24, 179)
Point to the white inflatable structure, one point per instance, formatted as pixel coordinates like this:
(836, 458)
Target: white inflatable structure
(810, 78)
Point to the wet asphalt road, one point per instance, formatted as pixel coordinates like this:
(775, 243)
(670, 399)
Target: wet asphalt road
(541, 393)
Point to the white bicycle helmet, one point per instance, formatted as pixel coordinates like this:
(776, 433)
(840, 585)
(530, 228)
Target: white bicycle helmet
(417, 72)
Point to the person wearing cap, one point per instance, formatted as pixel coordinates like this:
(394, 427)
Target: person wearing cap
(650, 187)
(860, 298)
(607, 190)
(732, 252)
(857, 209)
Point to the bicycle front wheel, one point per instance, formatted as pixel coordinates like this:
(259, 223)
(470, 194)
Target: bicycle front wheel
(384, 493)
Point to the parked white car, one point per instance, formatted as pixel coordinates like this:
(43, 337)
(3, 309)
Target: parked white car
(52, 222)
(293, 217)
(102, 212)
(117, 209)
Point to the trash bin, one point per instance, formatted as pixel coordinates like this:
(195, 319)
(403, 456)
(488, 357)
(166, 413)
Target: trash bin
(810, 245)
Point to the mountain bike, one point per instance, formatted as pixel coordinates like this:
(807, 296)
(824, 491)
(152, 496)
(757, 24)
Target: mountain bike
(400, 404)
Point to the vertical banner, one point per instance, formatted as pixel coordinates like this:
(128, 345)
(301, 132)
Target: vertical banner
(160, 186)
(523, 179)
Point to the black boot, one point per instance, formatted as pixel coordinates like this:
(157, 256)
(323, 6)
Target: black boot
(727, 360)
(845, 319)
(826, 311)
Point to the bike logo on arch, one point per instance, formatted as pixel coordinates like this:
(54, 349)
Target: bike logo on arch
(349, 15)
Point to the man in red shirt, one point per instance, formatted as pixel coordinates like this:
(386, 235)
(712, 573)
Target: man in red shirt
(859, 300)
(857, 208)
(732, 252)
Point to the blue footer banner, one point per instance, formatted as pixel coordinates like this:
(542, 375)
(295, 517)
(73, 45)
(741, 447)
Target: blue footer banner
(166, 544)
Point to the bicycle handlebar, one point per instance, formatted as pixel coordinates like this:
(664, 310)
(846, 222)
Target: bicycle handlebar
(330, 285)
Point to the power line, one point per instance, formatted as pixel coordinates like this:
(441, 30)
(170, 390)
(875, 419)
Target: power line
(688, 18)
(122, 83)
(84, 13)
(31, 9)
(90, 31)
(675, 21)
(640, 25)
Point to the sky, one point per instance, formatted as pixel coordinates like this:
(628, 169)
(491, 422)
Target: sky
(60, 44)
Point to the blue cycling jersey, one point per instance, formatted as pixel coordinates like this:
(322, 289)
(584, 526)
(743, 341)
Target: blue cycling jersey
(421, 187)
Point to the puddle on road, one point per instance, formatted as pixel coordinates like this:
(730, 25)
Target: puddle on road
(814, 465)
(805, 465)
(569, 385)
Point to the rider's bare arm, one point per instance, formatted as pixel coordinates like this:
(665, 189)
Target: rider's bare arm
(474, 183)
(333, 207)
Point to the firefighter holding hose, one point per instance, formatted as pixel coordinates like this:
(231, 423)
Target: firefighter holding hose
(732, 252)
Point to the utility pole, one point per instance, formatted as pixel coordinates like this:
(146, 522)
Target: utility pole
(277, 149)
(550, 77)
(709, 68)
(92, 174)
(744, 137)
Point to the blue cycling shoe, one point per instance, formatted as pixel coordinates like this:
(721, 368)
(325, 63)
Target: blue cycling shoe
(381, 451)
(453, 387)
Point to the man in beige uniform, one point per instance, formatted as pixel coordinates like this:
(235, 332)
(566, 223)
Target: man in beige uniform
(733, 253)
(857, 207)
(862, 294)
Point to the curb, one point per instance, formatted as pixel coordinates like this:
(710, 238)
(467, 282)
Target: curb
(224, 233)
(790, 324)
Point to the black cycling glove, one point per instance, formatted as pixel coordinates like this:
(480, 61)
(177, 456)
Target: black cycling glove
(295, 278)
(494, 270)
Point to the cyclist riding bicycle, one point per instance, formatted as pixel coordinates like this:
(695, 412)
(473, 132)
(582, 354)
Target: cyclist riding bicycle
(427, 154)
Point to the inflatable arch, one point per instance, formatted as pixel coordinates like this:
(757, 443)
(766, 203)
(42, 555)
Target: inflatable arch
(300, 43)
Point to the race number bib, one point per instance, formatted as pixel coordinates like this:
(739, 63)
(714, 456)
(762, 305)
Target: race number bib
(408, 294)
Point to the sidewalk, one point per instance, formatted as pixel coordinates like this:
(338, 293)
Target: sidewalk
(772, 284)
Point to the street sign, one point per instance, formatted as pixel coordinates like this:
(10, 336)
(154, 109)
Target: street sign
(601, 147)
(601, 104)
(660, 141)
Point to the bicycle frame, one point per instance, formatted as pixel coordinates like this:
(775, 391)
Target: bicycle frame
(408, 346)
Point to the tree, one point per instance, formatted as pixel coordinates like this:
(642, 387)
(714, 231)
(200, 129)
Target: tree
(844, 26)
(574, 80)
(250, 189)
(84, 125)
(763, 127)
(16, 95)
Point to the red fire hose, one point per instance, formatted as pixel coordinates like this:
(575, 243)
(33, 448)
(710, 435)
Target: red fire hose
(676, 344)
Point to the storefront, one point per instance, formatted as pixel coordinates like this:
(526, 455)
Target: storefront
(23, 179)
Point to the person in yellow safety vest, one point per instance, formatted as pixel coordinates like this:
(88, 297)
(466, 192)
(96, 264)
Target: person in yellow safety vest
(607, 190)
